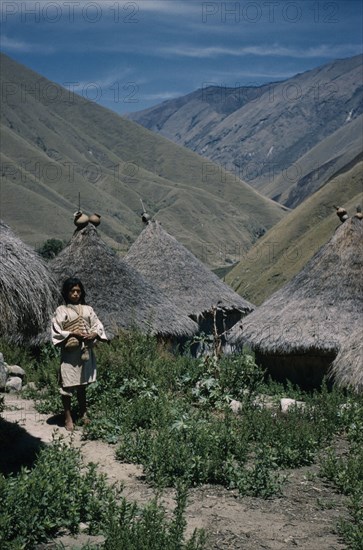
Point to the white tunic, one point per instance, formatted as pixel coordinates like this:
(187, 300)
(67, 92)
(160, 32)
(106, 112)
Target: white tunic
(74, 371)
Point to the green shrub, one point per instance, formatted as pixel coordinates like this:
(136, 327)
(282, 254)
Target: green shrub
(130, 356)
(57, 493)
(195, 448)
(260, 479)
(325, 407)
(352, 529)
(44, 374)
(17, 355)
(291, 437)
(212, 383)
(281, 389)
(203, 450)
(149, 530)
(41, 366)
(60, 493)
(239, 375)
(345, 472)
(51, 248)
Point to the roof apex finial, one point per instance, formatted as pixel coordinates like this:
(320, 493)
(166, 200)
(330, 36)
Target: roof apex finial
(144, 216)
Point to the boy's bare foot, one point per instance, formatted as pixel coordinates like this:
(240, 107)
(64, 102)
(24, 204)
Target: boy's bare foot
(68, 420)
(69, 425)
(84, 420)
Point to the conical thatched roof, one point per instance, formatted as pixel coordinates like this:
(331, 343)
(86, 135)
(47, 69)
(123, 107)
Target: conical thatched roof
(347, 368)
(121, 296)
(319, 308)
(28, 294)
(180, 275)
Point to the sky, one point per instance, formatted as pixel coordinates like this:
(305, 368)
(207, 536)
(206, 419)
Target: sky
(131, 55)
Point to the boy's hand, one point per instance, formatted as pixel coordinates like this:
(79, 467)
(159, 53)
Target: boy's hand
(90, 336)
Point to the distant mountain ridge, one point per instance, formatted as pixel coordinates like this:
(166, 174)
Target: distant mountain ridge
(265, 134)
(56, 144)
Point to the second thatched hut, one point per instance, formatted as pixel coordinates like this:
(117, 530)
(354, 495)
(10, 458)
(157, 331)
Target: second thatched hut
(299, 331)
(187, 282)
(121, 296)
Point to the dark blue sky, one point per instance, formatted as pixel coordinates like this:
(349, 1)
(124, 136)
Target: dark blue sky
(129, 55)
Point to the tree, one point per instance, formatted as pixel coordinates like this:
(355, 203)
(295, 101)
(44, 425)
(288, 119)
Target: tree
(51, 248)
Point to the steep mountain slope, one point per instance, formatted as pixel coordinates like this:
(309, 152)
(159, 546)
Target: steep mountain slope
(260, 133)
(56, 144)
(321, 163)
(287, 247)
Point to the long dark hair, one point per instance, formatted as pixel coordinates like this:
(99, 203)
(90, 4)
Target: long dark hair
(69, 284)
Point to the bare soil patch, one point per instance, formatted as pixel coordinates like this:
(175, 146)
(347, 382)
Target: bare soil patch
(305, 517)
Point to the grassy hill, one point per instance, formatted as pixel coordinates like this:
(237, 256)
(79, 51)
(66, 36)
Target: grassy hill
(56, 144)
(286, 248)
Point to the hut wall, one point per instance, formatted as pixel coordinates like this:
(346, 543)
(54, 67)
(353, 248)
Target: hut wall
(225, 320)
(307, 371)
(174, 344)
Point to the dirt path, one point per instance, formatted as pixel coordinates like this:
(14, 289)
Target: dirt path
(304, 518)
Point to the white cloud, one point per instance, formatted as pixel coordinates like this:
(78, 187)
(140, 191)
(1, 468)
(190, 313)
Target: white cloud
(119, 76)
(180, 7)
(12, 45)
(234, 76)
(161, 96)
(323, 50)
(168, 7)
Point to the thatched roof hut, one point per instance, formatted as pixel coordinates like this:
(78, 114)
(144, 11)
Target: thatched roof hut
(186, 281)
(28, 294)
(121, 296)
(347, 368)
(298, 332)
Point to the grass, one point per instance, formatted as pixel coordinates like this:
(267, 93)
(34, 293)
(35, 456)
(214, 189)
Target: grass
(171, 414)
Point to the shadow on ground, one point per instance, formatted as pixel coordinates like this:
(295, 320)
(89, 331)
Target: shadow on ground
(56, 420)
(17, 448)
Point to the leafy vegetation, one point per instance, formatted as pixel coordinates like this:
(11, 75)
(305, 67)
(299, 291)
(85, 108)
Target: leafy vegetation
(171, 413)
(16, 355)
(51, 248)
(151, 531)
(345, 472)
(55, 494)
(60, 493)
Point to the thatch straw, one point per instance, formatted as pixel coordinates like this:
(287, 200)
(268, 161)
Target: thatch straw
(121, 297)
(347, 368)
(28, 294)
(318, 309)
(180, 275)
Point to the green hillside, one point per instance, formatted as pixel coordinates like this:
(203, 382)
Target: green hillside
(286, 248)
(56, 144)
